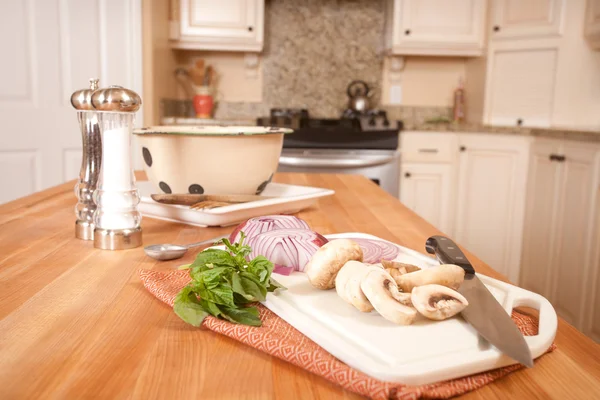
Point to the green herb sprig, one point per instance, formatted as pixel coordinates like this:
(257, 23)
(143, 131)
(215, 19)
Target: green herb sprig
(224, 284)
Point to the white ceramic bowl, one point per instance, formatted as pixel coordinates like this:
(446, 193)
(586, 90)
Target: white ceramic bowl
(210, 159)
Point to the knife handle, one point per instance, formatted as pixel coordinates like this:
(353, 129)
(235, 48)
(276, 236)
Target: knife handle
(448, 252)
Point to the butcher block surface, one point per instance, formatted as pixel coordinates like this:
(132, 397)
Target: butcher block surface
(76, 322)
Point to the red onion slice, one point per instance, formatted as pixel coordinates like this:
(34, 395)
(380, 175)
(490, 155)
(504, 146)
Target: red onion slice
(266, 223)
(281, 270)
(376, 250)
(291, 248)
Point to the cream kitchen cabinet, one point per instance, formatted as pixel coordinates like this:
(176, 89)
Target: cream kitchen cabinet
(490, 203)
(520, 85)
(471, 187)
(427, 190)
(560, 246)
(435, 27)
(592, 23)
(427, 175)
(527, 18)
(230, 25)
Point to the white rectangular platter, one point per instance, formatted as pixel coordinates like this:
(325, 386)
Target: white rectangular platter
(286, 199)
(422, 353)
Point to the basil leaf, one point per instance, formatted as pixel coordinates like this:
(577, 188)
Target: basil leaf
(236, 285)
(246, 315)
(275, 286)
(261, 267)
(211, 307)
(212, 277)
(256, 290)
(222, 294)
(188, 307)
(216, 257)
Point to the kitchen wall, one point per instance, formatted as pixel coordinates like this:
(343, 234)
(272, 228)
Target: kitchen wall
(158, 60)
(313, 49)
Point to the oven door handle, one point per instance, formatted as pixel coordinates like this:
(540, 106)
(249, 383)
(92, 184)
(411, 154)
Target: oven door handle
(310, 162)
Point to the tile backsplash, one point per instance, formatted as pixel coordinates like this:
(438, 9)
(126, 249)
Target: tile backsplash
(315, 48)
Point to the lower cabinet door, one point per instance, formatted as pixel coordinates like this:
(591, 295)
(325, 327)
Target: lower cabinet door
(540, 232)
(491, 199)
(576, 222)
(427, 190)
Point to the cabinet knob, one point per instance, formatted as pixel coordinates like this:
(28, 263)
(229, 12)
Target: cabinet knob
(463, 148)
(407, 174)
(520, 121)
(407, 32)
(496, 28)
(250, 28)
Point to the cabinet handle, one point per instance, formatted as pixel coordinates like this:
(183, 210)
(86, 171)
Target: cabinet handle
(463, 148)
(496, 28)
(407, 174)
(250, 28)
(557, 157)
(428, 150)
(407, 32)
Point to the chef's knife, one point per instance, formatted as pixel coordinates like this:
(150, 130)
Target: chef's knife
(484, 312)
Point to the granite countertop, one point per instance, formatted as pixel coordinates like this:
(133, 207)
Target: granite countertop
(591, 135)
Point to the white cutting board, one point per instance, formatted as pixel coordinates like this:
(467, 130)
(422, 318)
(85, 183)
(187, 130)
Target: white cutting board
(422, 353)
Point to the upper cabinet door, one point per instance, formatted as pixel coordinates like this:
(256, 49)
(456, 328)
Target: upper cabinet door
(223, 25)
(521, 85)
(436, 27)
(592, 23)
(527, 18)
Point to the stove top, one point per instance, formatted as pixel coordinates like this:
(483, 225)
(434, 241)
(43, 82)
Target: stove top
(370, 130)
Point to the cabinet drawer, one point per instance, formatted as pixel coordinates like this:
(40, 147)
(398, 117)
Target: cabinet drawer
(428, 147)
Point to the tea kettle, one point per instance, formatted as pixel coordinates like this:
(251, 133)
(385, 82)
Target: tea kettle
(358, 93)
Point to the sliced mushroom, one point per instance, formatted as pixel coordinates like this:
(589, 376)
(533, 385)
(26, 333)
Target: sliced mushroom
(347, 284)
(329, 259)
(449, 275)
(379, 287)
(402, 268)
(438, 302)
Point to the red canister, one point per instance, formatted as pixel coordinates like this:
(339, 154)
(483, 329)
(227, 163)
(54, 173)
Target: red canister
(203, 102)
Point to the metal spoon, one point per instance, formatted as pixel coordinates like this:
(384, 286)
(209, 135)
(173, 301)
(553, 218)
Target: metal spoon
(168, 251)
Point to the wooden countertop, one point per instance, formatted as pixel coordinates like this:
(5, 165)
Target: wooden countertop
(76, 322)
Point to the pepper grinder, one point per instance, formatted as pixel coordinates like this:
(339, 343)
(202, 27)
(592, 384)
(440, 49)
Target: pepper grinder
(116, 219)
(81, 100)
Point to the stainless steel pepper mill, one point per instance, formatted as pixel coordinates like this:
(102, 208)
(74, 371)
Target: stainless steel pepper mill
(90, 162)
(116, 219)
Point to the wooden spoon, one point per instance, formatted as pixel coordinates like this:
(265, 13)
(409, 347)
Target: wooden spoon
(191, 199)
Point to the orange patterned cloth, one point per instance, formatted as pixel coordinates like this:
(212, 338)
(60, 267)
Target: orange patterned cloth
(278, 338)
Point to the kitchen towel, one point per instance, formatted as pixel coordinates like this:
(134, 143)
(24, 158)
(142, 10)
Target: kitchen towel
(278, 338)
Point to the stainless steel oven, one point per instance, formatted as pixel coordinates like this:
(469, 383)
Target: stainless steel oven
(381, 166)
(363, 143)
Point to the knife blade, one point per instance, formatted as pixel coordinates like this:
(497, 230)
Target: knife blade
(483, 313)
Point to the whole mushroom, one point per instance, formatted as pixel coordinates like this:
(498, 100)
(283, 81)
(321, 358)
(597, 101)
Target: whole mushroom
(380, 288)
(438, 302)
(325, 264)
